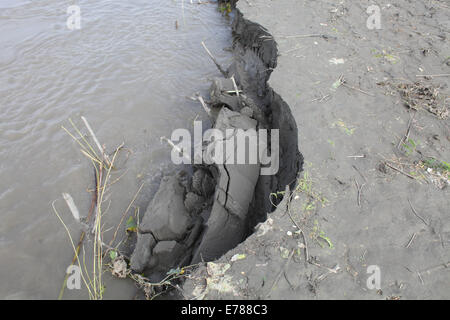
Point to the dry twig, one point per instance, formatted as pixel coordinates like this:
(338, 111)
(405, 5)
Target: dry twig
(224, 73)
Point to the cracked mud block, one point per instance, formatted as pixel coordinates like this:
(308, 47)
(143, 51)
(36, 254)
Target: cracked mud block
(142, 252)
(226, 225)
(166, 219)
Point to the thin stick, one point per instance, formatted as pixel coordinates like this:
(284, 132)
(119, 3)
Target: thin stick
(411, 240)
(399, 170)
(315, 35)
(98, 197)
(357, 89)
(83, 138)
(361, 156)
(215, 61)
(208, 110)
(95, 139)
(335, 269)
(235, 86)
(408, 130)
(359, 188)
(71, 204)
(90, 157)
(416, 214)
(420, 277)
(233, 91)
(433, 75)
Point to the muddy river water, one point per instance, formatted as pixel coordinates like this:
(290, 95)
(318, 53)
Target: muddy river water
(128, 70)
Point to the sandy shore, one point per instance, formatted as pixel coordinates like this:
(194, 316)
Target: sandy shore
(374, 133)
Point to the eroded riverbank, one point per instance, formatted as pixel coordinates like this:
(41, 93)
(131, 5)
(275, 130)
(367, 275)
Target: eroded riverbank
(186, 224)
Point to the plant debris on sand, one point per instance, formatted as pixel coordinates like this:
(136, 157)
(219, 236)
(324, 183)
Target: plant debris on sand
(422, 95)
